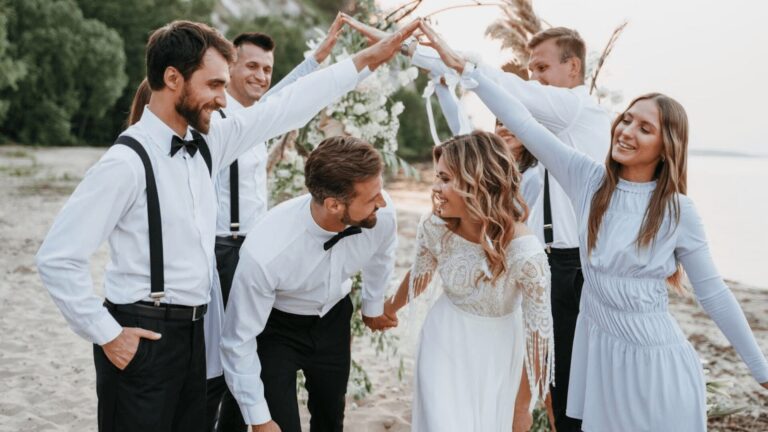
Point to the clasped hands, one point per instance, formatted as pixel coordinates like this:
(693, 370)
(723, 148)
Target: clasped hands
(375, 37)
(385, 321)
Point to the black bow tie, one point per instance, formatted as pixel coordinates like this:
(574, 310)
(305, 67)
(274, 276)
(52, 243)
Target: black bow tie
(346, 233)
(177, 143)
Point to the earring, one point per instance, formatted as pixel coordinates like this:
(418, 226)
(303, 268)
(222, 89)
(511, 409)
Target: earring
(663, 159)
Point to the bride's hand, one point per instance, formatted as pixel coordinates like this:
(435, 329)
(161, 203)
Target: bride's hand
(449, 56)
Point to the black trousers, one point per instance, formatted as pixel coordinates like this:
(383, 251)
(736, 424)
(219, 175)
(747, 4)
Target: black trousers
(567, 280)
(222, 412)
(163, 388)
(320, 347)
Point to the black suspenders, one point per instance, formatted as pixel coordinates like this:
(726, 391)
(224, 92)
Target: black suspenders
(156, 268)
(548, 234)
(234, 194)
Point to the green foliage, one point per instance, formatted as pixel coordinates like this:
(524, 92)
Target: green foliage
(134, 21)
(11, 69)
(74, 71)
(414, 138)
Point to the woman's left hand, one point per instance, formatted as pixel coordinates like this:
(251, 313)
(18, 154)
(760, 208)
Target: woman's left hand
(447, 55)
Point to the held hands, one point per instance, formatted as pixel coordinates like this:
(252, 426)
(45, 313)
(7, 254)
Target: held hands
(385, 321)
(121, 350)
(269, 426)
(383, 50)
(324, 49)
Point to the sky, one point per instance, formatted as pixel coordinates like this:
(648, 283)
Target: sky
(711, 56)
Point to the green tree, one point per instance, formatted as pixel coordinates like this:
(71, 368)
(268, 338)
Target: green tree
(11, 69)
(75, 71)
(134, 21)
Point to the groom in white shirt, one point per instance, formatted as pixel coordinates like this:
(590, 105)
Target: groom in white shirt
(241, 187)
(148, 336)
(290, 308)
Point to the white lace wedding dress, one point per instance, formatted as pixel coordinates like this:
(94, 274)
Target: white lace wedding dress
(477, 337)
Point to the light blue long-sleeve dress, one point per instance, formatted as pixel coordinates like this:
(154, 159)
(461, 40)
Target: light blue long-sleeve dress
(632, 369)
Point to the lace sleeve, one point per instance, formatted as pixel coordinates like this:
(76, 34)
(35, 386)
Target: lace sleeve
(425, 262)
(534, 283)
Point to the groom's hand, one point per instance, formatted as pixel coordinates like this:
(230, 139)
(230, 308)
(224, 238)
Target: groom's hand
(269, 426)
(381, 322)
(380, 53)
(325, 47)
(371, 33)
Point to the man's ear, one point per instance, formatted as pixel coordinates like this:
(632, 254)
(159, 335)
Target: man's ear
(333, 205)
(574, 69)
(173, 79)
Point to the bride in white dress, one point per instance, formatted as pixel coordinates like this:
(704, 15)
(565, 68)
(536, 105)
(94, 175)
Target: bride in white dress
(492, 328)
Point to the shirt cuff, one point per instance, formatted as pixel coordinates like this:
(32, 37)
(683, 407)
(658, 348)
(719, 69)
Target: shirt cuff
(104, 329)
(372, 308)
(363, 74)
(255, 414)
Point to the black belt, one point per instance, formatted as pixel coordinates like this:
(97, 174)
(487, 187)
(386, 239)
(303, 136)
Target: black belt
(163, 312)
(230, 241)
(564, 252)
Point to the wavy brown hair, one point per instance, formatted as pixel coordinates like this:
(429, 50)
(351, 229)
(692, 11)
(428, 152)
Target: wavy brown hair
(671, 176)
(486, 176)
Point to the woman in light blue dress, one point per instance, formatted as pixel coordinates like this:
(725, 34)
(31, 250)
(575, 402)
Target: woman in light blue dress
(633, 369)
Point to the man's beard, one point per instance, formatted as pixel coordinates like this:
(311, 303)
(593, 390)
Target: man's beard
(368, 222)
(192, 114)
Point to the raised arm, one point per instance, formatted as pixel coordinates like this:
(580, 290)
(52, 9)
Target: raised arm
(454, 115)
(297, 103)
(248, 309)
(311, 63)
(554, 107)
(713, 294)
(572, 169)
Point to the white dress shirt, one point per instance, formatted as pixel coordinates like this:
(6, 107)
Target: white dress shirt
(296, 275)
(110, 204)
(571, 114)
(251, 166)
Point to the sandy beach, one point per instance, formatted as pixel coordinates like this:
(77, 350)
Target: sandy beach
(47, 373)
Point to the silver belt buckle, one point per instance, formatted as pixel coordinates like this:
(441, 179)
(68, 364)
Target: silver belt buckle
(195, 315)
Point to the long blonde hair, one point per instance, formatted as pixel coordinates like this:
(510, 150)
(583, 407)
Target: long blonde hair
(485, 174)
(670, 175)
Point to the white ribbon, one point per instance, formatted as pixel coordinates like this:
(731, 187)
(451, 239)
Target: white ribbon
(429, 90)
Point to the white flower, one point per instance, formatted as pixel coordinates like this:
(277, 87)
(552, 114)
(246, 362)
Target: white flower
(397, 108)
(298, 182)
(283, 173)
(358, 109)
(379, 115)
(352, 130)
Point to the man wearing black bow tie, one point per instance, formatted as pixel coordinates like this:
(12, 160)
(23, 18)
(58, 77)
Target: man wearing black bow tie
(290, 307)
(153, 198)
